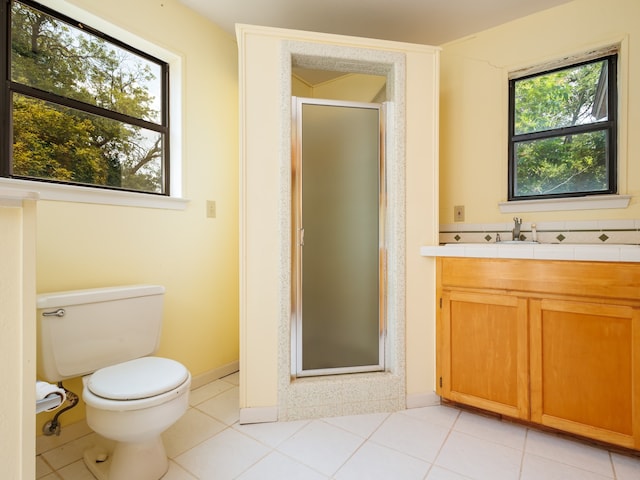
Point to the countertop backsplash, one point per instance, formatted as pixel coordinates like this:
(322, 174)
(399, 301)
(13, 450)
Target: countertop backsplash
(596, 232)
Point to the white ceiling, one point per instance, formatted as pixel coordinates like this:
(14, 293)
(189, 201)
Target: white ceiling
(431, 22)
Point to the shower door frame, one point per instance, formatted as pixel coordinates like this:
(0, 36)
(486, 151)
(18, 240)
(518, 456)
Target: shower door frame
(297, 240)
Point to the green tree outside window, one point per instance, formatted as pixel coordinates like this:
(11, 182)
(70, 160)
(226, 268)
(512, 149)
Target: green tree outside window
(84, 109)
(562, 132)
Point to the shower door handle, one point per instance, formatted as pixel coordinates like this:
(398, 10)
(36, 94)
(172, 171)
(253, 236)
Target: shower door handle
(302, 237)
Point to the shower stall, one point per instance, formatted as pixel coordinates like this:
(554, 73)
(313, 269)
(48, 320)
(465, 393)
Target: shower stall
(338, 237)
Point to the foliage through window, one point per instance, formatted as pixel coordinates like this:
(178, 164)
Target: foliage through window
(562, 131)
(80, 107)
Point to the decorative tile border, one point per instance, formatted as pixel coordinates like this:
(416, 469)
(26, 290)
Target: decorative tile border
(598, 232)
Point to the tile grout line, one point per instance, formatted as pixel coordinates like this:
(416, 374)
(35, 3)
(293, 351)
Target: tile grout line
(558, 435)
(53, 470)
(524, 451)
(298, 461)
(183, 467)
(365, 440)
(226, 427)
(435, 458)
(249, 467)
(195, 407)
(274, 449)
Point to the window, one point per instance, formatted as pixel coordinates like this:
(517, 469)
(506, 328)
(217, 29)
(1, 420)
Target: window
(80, 107)
(562, 131)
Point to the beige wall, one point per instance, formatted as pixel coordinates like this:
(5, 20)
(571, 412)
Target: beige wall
(300, 88)
(474, 103)
(259, 250)
(17, 335)
(263, 192)
(194, 257)
(351, 87)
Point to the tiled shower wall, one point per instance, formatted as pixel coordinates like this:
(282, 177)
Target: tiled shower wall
(626, 232)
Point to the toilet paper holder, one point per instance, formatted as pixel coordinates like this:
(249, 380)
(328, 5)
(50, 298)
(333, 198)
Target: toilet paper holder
(53, 426)
(48, 403)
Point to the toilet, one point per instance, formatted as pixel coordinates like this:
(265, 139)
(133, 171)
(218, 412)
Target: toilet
(108, 336)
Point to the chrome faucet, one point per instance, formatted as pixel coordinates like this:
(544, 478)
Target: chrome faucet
(516, 229)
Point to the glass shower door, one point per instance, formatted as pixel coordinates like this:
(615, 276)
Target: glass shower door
(338, 238)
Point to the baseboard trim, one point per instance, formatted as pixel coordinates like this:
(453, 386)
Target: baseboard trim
(419, 400)
(215, 374)
(258, 415)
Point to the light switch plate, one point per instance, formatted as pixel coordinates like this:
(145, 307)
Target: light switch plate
(211, 209)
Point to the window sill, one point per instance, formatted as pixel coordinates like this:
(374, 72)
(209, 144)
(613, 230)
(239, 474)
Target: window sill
(595, 202)
(77, 194)
(14, 198)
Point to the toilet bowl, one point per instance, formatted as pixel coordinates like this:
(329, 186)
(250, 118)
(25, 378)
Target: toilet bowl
(132, 403)
(108, 337)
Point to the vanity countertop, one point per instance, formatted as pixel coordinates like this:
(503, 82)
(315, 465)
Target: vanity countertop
(537, 251)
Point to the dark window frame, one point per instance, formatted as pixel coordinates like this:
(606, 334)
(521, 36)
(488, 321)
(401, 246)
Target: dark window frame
(610, 126)
(10, 87)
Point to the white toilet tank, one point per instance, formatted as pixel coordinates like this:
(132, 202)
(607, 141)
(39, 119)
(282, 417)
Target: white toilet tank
(81, 331)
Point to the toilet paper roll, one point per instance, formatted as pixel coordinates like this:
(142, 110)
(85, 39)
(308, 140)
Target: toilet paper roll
(48, 390)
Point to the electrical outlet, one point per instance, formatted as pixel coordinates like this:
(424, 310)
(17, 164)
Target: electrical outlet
(211, 209)
(458, 213)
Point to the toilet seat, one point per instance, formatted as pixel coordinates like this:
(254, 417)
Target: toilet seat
(136, 384)
(137, 379)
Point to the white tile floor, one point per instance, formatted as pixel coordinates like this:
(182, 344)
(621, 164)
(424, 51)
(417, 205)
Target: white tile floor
(432, 443)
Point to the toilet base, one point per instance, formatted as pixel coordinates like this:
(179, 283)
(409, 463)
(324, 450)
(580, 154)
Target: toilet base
(140, 461)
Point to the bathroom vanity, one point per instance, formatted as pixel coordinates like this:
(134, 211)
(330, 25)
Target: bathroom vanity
(552, 342)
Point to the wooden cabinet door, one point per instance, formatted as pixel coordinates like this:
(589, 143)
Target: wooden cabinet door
(484, 355)
(585, 368)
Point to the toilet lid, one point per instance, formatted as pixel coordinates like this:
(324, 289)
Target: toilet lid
(140, 378)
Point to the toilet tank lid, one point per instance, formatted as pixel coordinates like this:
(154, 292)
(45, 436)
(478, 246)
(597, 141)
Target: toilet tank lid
(92, 295)
(136, 379)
